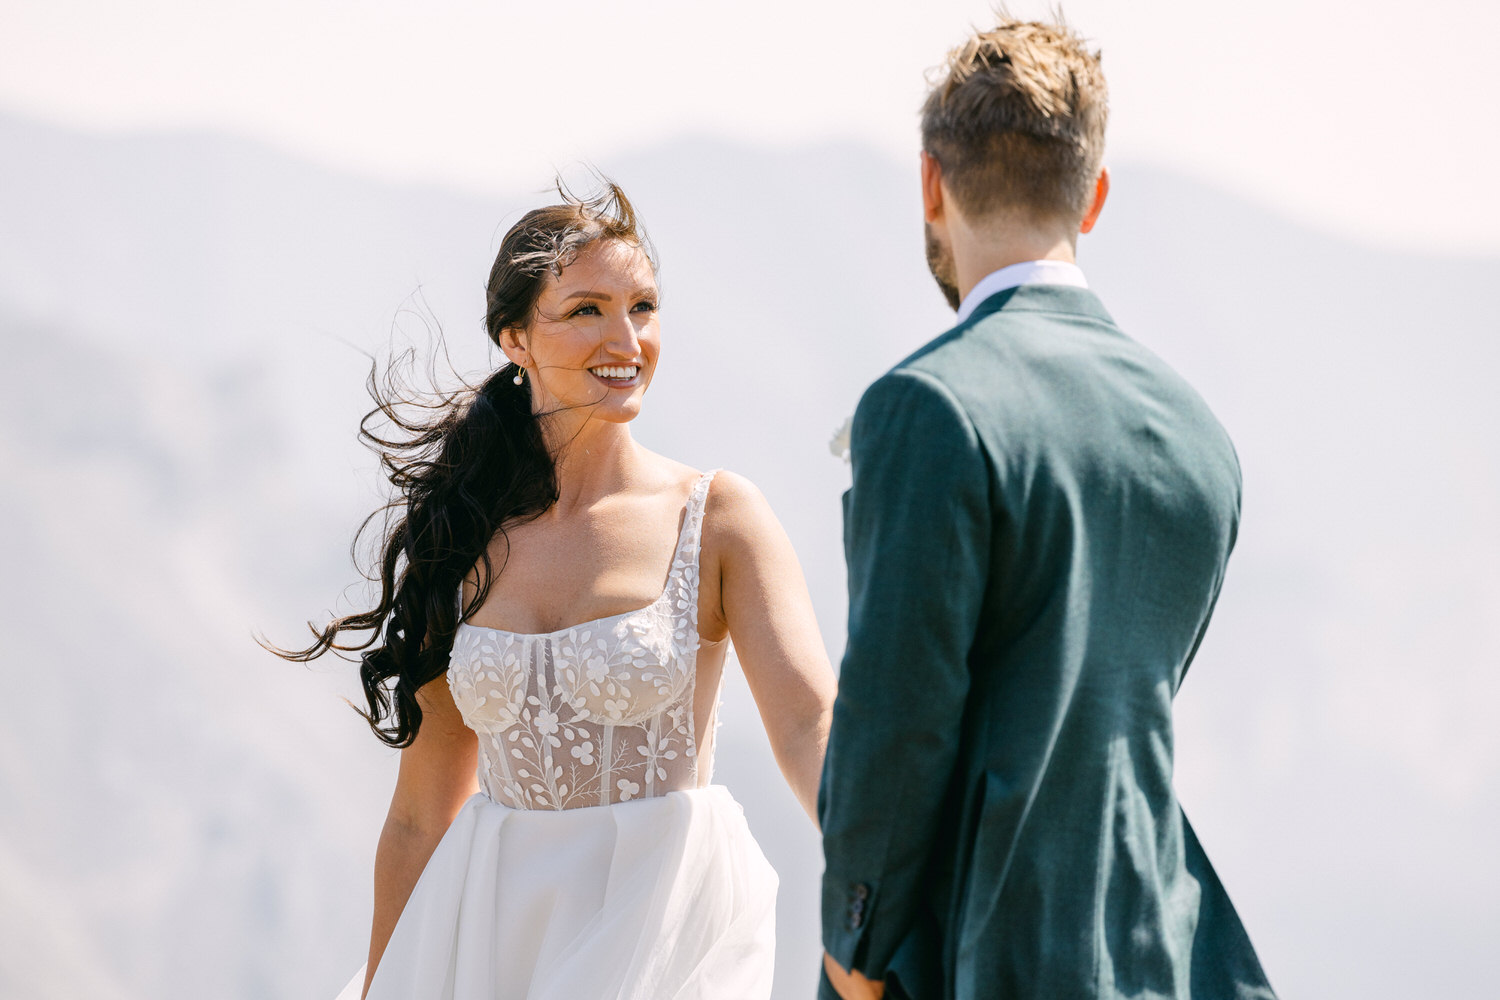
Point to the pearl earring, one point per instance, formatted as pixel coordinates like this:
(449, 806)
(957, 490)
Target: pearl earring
(520, 376)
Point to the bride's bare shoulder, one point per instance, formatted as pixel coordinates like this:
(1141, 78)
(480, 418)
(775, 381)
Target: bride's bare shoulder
(732, 491)
(737, 516)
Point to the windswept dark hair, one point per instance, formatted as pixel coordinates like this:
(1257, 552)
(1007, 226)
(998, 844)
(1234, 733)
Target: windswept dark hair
(465, 465)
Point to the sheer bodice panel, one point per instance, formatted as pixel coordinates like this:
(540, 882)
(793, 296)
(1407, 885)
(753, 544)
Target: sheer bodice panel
(601, 712)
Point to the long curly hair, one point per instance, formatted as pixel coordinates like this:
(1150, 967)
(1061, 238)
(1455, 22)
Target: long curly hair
(464, 465)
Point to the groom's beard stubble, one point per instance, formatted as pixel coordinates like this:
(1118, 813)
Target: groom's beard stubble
(944, 271)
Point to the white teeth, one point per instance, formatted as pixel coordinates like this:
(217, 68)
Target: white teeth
(616, 371)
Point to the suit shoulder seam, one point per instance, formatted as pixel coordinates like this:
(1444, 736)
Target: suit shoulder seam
(948, 395)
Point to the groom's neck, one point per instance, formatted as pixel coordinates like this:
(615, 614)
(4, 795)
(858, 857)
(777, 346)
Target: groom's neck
(983, 248)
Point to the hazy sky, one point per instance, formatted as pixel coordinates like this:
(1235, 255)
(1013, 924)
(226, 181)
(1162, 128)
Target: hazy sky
(1377, 120)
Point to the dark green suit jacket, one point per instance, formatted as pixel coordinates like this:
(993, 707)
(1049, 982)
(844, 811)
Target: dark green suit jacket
(1038, 528)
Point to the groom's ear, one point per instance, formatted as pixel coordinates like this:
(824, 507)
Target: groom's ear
(1101, 191)
(932, 187)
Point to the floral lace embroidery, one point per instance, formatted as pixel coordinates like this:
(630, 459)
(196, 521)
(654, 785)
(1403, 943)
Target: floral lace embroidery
(594, 714)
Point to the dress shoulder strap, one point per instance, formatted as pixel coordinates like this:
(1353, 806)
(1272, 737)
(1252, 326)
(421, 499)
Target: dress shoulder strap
(688, 544)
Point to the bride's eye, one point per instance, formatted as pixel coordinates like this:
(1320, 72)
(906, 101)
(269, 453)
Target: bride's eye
(580, 311)
(645, 305)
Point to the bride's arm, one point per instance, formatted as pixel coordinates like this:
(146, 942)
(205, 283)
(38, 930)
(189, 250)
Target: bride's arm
(763, 600)
(436, 776)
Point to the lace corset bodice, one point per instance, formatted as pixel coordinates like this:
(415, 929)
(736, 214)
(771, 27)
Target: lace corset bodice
(597, 713)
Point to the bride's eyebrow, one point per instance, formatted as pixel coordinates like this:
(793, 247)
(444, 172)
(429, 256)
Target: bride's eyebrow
(645, 291)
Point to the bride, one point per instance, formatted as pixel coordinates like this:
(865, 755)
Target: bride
(555, 608)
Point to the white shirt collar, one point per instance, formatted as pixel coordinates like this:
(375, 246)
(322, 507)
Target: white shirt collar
(1030, 272)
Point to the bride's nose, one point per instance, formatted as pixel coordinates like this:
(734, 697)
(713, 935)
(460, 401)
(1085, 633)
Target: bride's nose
(622, 337)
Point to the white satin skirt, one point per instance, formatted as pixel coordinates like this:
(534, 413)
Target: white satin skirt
(650, 899)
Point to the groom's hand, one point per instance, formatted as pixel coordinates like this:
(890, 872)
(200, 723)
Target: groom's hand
(851, 985)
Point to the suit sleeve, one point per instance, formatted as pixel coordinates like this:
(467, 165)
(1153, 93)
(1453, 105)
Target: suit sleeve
(917, 540)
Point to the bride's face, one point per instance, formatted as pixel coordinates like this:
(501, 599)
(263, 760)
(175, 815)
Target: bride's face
(594, 338)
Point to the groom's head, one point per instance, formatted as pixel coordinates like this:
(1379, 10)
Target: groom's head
(1012, 140)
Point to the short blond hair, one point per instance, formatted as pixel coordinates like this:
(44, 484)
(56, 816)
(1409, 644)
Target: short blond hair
(1016, 118)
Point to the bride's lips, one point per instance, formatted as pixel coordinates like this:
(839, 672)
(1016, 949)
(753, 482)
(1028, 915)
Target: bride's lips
(617, 383)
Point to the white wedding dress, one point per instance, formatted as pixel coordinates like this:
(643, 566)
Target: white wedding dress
(598, 862)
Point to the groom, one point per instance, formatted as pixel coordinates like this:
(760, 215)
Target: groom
(1037, 531)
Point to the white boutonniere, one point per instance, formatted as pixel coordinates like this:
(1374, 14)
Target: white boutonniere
(840, 443)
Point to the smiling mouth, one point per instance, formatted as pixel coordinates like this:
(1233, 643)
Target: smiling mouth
(616, 373)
